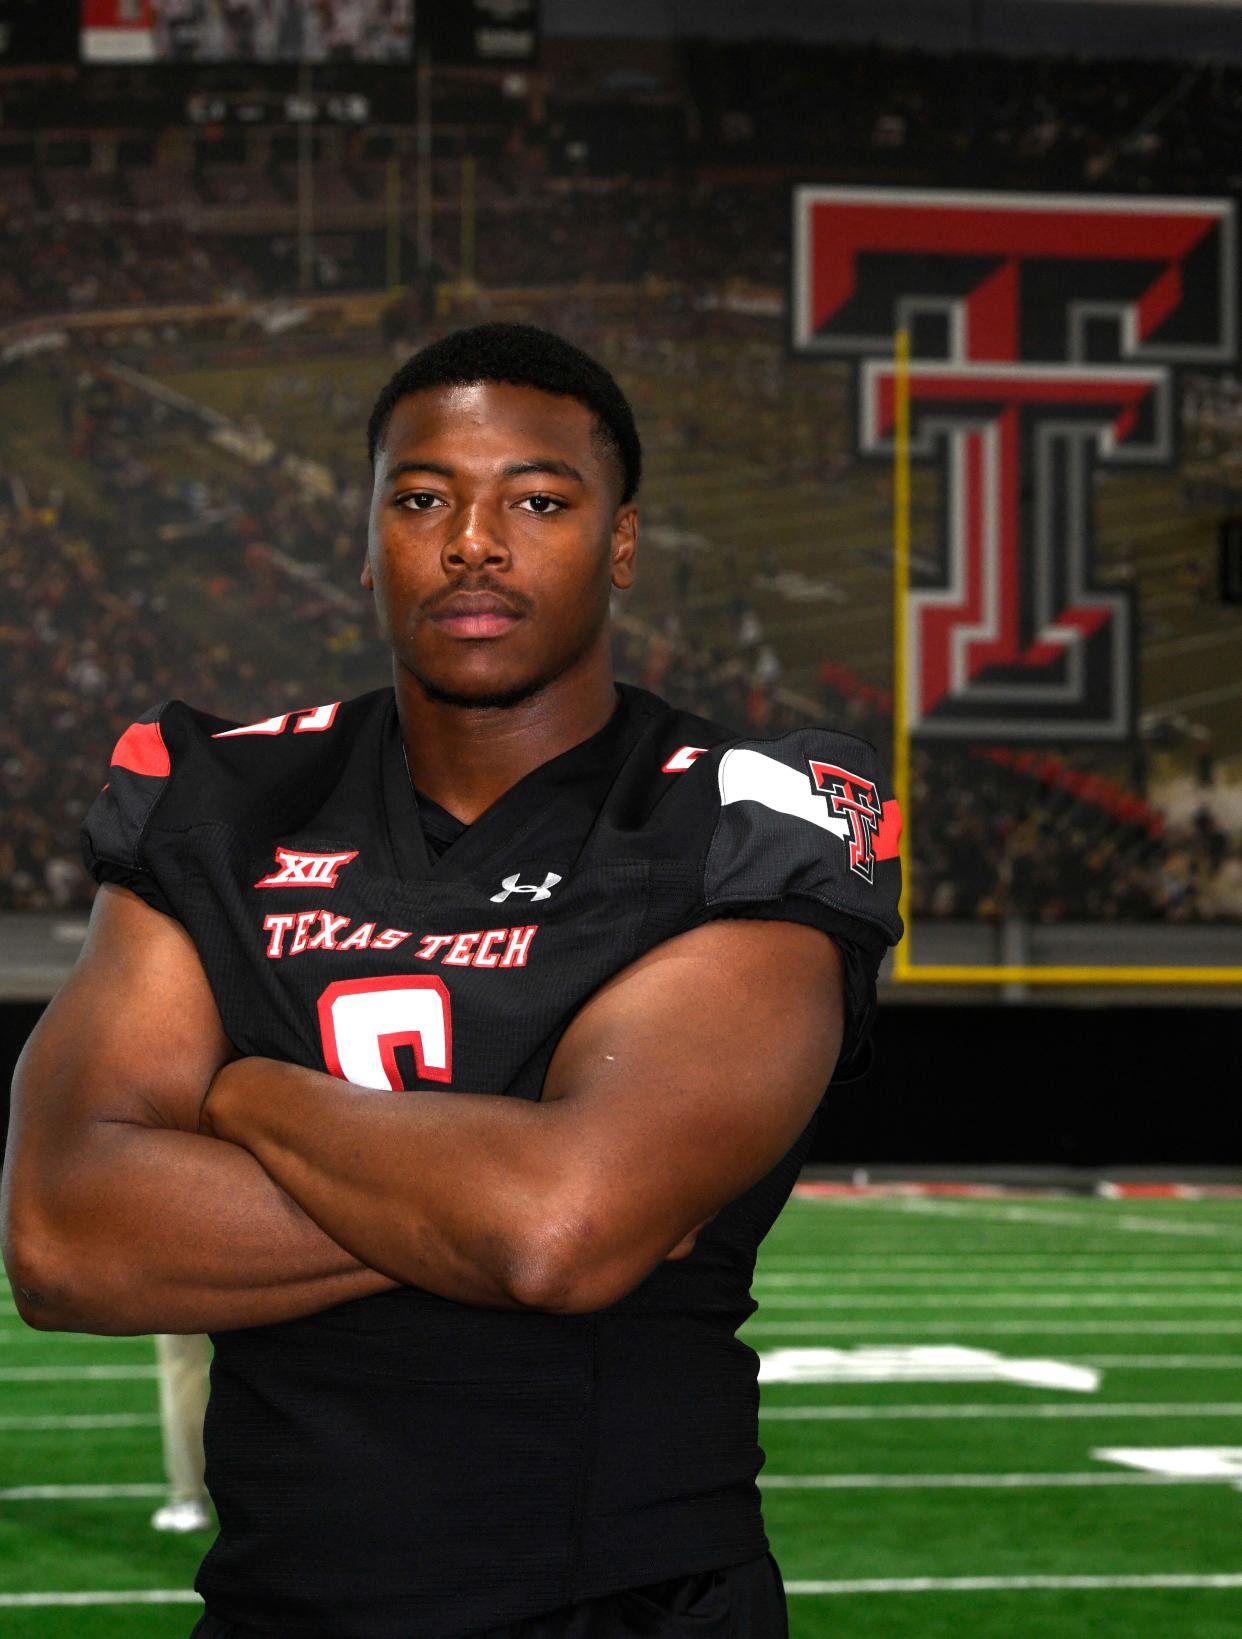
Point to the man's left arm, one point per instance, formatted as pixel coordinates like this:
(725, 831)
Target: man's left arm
(679, 1084)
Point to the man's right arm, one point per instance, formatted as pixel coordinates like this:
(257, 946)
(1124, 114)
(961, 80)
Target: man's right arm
(118, 1215)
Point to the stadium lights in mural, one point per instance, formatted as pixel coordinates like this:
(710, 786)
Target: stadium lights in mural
(1018, 342)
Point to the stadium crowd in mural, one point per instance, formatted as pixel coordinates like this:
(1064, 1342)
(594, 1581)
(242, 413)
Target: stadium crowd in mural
(147, 573)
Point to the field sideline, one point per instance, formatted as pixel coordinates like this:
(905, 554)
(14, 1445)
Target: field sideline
(938, 1446)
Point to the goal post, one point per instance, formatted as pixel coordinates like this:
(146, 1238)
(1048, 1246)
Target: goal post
(905, 969)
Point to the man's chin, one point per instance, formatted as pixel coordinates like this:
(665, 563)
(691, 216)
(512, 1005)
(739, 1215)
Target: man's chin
(447, 686)
(479, 696)
(451, 688)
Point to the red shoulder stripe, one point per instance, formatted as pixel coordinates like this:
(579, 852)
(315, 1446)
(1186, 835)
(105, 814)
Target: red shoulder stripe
(888, 838)
(141, 749)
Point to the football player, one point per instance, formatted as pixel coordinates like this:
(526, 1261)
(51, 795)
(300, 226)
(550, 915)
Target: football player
(446, 1053)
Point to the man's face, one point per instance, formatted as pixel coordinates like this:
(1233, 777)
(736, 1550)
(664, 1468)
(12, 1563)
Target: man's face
(495, 536)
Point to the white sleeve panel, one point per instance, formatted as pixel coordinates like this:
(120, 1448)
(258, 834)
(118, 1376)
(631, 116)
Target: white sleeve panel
(753, 776)
(778, 798)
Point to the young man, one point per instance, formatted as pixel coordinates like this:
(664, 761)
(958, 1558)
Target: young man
(447, 1053)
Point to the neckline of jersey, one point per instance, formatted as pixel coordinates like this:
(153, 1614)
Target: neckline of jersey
(500, 831)
(441, 829)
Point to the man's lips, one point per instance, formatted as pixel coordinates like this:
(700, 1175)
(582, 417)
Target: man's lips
(475, 614)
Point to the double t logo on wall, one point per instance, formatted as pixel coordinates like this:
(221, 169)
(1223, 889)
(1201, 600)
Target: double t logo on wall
(1045, 333)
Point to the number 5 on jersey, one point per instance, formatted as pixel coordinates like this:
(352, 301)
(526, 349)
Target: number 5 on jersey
(363, 1021)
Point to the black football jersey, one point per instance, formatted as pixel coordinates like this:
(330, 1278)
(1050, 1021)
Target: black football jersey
(404, 1464)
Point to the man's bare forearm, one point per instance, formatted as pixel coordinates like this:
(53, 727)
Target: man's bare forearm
(117, 1214)
(452, 1192)
(662, 1102)
(157, 1230)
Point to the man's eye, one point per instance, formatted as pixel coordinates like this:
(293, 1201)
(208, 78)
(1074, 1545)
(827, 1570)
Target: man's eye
(418, 500)
(542, 503)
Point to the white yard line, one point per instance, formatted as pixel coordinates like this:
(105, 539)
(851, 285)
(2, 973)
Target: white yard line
(120, 1419)
(1006, 1300)
(979, 1328)
(73, 1374)
(1016, 1584)
(1130, 1222)
(778, 1482)
(78, 1493)
(1162, 1362)
(970, 1482)
(110, 1596)
(799, 1588)
(990, 1264)
(1051, 1408)
(972, 1279)
(1172, 1262)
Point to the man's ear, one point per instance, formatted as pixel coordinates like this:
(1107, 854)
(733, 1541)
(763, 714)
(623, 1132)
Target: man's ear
(368, 580)
(624, 545)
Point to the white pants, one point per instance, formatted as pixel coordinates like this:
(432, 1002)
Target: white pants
(183, 1362)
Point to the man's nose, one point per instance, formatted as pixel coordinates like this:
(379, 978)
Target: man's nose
(477, 540)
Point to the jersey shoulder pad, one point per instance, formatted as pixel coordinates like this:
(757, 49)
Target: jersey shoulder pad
(176, 768)
(810, 815)
(138, 773)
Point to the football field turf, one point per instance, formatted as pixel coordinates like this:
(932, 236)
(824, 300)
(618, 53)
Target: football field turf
(978, 1437)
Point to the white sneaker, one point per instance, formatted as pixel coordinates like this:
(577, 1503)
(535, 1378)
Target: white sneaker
(182, 1516)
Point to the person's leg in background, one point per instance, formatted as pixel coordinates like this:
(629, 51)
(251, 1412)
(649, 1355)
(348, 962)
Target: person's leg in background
(184, 1361)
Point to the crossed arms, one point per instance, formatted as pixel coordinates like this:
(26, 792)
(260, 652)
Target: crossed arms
(155, 1182)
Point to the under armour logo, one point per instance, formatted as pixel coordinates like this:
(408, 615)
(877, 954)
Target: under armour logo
(305, 870)
(512, 885)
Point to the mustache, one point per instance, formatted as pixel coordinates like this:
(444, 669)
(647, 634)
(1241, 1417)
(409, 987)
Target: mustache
(506, 594)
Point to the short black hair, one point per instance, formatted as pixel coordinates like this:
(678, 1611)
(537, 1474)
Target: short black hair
(529, 357)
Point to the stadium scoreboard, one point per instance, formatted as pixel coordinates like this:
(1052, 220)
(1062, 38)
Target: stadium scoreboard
(500, 33)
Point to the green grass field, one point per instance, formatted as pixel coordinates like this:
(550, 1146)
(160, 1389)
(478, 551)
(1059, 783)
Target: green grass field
(896, 1508)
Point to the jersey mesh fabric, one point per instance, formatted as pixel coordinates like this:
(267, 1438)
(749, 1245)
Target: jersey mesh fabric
(440, 828)
(733, 1602)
